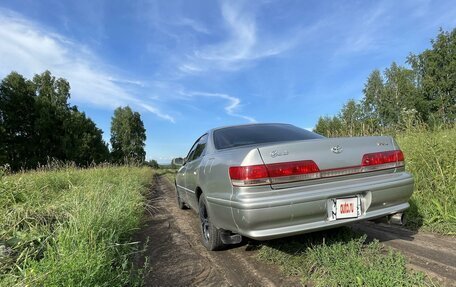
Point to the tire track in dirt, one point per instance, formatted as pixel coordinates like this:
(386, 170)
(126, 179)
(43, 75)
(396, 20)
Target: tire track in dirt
(177, 258)
(432, 254)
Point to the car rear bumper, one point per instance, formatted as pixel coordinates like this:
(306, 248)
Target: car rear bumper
(296, 210)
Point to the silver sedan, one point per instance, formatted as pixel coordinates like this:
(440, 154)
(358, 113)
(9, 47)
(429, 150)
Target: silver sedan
(266, 181)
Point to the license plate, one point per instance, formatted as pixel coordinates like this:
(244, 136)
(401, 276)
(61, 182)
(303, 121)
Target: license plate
(348, 207)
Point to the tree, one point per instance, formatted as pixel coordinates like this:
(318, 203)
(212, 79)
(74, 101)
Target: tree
(17, 115)
(128, 136)
(400, 92)
(38, 124)
(436, 73)
(52, 110)
(403, 97)
(54, 91)
(351, 116)
(83, 142)
(329, 126)
(373, 92)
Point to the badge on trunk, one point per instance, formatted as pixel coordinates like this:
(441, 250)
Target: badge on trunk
(336, 149)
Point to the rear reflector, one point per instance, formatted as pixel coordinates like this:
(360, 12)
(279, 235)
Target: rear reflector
(308, 169)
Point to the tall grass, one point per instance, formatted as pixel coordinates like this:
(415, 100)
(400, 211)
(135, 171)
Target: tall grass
(70, 227)
(340, 257)
(431, 158)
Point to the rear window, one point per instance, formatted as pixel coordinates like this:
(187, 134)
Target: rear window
(259, 134)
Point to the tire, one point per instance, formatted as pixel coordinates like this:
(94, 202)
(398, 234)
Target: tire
(180, 203)
(210, 235)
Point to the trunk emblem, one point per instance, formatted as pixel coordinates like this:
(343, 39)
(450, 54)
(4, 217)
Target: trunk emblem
(336, 149)
(276, 153)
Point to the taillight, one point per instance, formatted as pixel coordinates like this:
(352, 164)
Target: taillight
(273, 173)
(382, 157)
(382, 160)
(292, 168)
(249, 175)
(293, 171)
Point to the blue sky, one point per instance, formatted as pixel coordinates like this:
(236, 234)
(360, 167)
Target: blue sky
(188, 66)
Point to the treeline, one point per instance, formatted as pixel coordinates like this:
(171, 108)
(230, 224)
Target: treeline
(424, 92)
(38, 125)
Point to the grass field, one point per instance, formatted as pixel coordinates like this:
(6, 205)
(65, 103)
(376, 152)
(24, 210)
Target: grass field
(71, 227)
(431, 158)
(340, 257)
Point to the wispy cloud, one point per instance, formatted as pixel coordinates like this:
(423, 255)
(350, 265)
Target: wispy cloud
(241, 46)
(364, 37)
(193, 24)
(157, 112)
(231, 108)
(29, 48)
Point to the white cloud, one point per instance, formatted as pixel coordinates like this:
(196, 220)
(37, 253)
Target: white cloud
(363, 37)
(157, 112)
(195, 25)
(28, 48)
(230, 109)
(241, 46)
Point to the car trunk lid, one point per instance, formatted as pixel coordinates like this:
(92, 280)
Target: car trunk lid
(332, 156)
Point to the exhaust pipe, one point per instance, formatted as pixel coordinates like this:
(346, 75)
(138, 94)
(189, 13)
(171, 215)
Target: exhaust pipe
(397, 218)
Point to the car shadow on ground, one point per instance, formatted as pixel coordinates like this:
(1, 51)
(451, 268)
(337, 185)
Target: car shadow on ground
(366, 231)
(299, 243)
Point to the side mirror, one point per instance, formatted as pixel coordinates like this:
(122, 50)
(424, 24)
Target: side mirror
(178, 161)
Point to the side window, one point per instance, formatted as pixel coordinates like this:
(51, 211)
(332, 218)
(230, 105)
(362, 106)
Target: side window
(200, 147)
(191, 152)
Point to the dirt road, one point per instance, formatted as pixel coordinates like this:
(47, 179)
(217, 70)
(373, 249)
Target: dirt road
(177, 258)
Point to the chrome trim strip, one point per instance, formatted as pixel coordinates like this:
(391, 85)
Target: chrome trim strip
(186, 189)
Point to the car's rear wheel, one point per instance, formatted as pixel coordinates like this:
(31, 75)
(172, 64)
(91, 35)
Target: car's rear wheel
(210, 235)
(180, 203)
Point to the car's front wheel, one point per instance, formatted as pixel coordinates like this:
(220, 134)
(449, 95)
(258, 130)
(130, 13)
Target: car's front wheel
(210, 234)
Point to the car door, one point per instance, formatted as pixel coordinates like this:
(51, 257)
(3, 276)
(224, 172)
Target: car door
(192, 169)
(181, 175)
